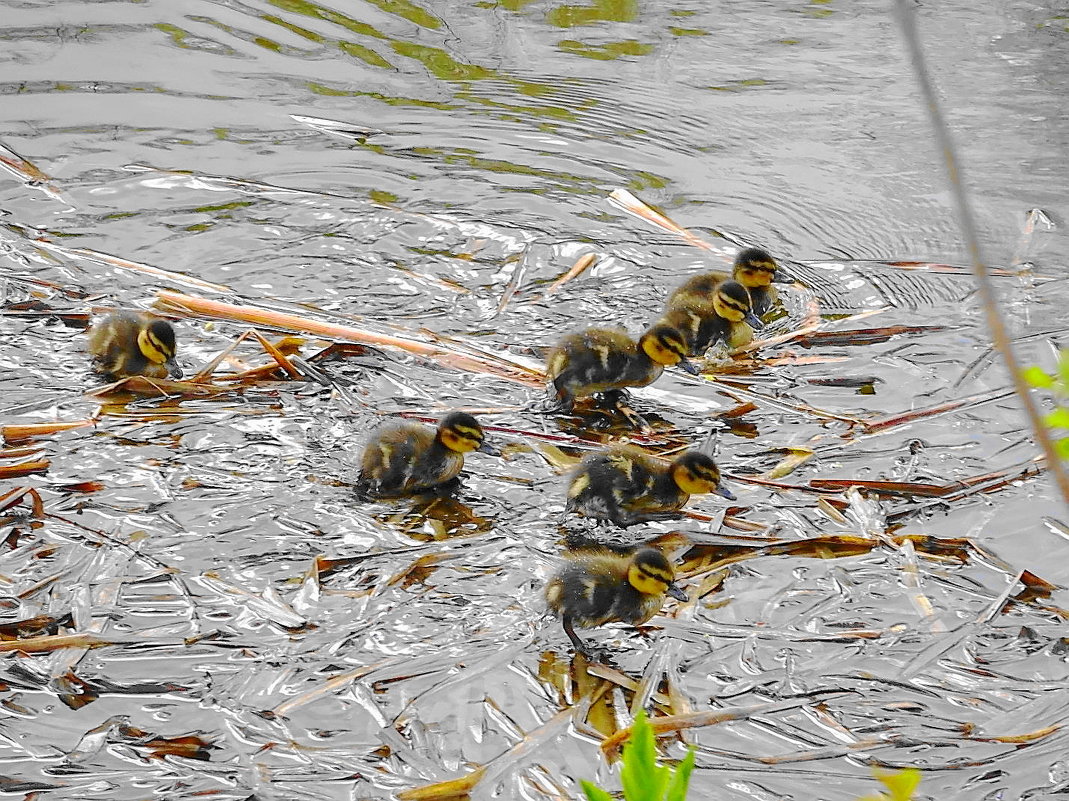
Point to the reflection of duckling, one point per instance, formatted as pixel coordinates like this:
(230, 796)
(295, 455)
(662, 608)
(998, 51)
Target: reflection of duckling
(403, 458)
(601, 360)
(755, 269)
(133, 343)
(627, 486)
(710, 308)
(599, 586)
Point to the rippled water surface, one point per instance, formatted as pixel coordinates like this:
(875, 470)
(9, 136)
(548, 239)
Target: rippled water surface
(426, 170)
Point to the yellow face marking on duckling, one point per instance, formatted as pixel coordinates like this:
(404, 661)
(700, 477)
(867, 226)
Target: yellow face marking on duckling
(648, 579)
(152, 348)
(729, 308)
(695, 481)
(461, 438)
(665, 350)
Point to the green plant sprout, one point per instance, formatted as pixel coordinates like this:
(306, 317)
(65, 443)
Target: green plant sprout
(642, 778)
(900, 784)
(1058, 386)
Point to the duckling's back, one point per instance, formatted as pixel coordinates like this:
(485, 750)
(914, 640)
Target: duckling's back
(611, 349)
(698, 287)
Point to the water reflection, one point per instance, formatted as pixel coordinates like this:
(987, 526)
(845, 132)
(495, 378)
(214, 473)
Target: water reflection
(428, 170)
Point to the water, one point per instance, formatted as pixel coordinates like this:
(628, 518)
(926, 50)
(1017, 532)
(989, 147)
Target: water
(443, 153)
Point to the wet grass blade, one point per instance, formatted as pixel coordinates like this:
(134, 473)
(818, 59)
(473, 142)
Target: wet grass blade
(864, 336)
(808, 330)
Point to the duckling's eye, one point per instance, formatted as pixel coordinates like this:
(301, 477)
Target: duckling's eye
(731, 303)
(471, 434)
(157, 343)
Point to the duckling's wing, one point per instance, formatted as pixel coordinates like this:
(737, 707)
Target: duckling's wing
(391, 455)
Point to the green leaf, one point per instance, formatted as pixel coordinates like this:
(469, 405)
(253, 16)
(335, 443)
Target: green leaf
(677, 790)
(1061, 447)
(642, 778)
(1063, 367)
(1059, 418)
(593, 792)
(901, 783)
(1036, 377)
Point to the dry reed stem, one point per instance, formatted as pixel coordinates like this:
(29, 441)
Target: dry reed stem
(626, 201)
(204, 374)
(279, 357)
(53, 642)
(156, 387)
(15, 433)
(967, 222)
(693, 720)
(256, 315)
(9, 471)
(582, 264)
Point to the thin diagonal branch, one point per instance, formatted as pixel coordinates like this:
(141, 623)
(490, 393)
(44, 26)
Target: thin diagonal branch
(967, 222)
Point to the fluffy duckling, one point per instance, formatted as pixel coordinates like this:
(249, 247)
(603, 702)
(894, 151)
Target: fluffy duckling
(599, 586)
(605, 360)
(711, 308)
(133, 343)
(627, 486)
(755, 269)
(406, 458)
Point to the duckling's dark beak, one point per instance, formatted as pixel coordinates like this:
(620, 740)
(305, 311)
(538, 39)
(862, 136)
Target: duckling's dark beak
(677, 593)
(689, 366)
(753, 320)
(724, 492)
(174, 369)
(486, 447)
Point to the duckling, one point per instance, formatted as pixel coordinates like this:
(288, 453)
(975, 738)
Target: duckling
(405, 458)
(605, 360)
(627, 486)
(128, 343)
(598, 586)
(755, 269)
(710, 308)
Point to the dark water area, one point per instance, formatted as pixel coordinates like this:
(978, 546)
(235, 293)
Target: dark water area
(427, 169)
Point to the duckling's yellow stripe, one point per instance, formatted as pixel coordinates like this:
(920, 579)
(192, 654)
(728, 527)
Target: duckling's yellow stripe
(152, 348)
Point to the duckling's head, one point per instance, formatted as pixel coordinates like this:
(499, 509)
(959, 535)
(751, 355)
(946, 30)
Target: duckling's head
(157, 343)
(754, 268)
(460, 432)
(651, 574)
(732, 301)
(666, 346)
(695, 473)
